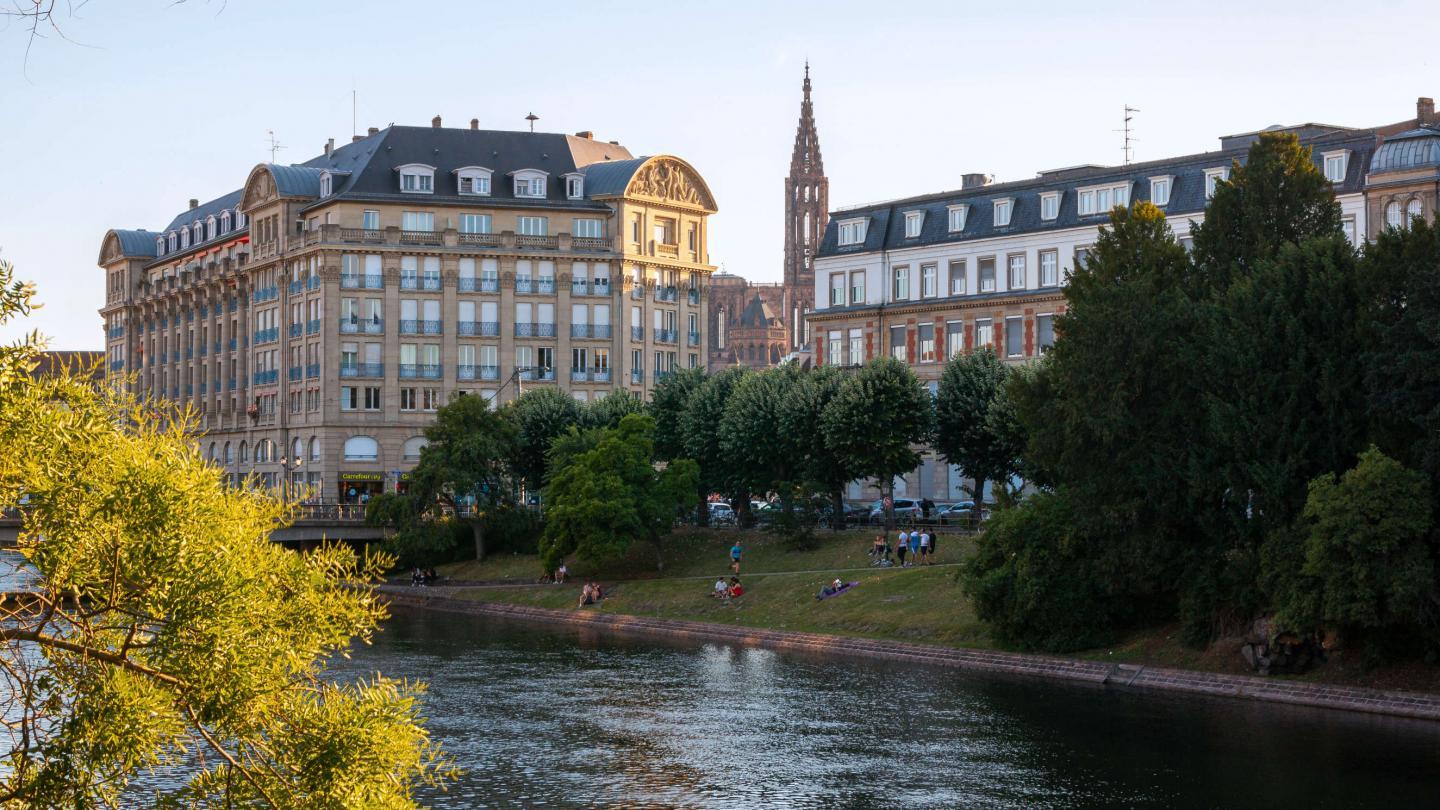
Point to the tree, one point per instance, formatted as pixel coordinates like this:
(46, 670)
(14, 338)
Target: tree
(975, 424)
(668, 404)
(462, 472)
(165, 630)
(607, 497)
(700, 428)
(607, 411)
(802, 416)
(877, 421)
(761, 455)
(539, 415)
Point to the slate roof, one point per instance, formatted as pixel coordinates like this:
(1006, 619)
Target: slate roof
(136, 243)
(886, 228)
(202, 212)
(611, 177)
(1413, 149)
(758, 313)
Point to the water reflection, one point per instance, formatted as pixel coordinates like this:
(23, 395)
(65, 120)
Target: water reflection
(557, 718)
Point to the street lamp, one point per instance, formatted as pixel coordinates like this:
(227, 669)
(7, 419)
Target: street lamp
(289, 465)
(515, 378)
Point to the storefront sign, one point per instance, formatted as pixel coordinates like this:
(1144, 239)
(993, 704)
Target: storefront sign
(359, 476)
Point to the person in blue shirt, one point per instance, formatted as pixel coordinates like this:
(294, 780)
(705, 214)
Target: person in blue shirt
(735, 552)
(915, 546)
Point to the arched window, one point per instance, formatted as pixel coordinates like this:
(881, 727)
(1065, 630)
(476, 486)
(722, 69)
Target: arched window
(298, 450)
(244, 453)
(225, 221)
(197, 233)
(159, 246)
(229, 454)
(413, 447)
(210, 227)
(262, 451)
(314, 449)
(361, 448)
(1392, 214)
(1413, 209)
(211, 457)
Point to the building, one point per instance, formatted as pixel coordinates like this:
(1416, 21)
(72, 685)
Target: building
(316, 317)
(928, 277)
(758, 325)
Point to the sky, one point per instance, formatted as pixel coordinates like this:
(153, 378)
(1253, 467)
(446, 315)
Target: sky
(143, 104)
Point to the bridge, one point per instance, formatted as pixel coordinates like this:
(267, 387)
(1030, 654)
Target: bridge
(312, 523)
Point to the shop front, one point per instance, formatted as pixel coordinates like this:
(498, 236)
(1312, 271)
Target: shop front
(360, 487)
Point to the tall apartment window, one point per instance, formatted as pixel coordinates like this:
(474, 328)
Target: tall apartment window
(929, 281)
(474, 223)
(531, 226)
(857, 286)
(417, 221)
(954, 338)
(372, 399)
(897, 343)
(349, 398)
(1160, 190)
(1049, 268)
(852, 231)
(407, 399)
(1392, 214)
(833, 348)
(1016, 262)
(837, 289)
(1213, 177)
(987, 274)
(545, 357)
(901, 288)
(984, 333)
(1413, 210)
(1044, 332)
(635, 228)
(1003, 208)
(663, 231)
(1082, 257)
(914, 220)
(589, 228)
(1336, 164)
(1014, 337)
(926, 339)
(957, 217)
(957, 277)
(1050, 205)
(1348, 226)
(370, 221)
(574, 187)
(857, 347)
(693, 237)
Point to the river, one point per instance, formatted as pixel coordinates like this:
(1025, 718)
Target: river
(564, 717)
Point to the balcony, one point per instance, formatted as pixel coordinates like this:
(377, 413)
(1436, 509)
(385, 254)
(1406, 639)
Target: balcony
(267, 377)
(660, 375)
(540, 374)
(637, 333)
(262, 294)
(267, 336)
(189, 354)
(590, 330)
(230, 344)
(312, 283)
(637, 292)
(489, 372)
(537, 242)
(419, 238)
(693, 296)
(479, 328)
(483, 284)
(589, 243)
(230, 384)
(692, 338)
(359, 370)
(364, 236)
(217, 347)
(357, 281)
(535, 330)
(464, 372)
(295, 373)
(116, 332)
(297, 329)
(421, 327)
(480, 239)
(312, 327)
(579, 375)
(419, 371)
(232, 305)
(295, 288)
(204, 388)
(664, 335)
(204, 349)
(637, 376)
(117, 365)
(362, 326)
(666, 294)
(524, 285)
(312, 371)
(600, 374)
(547, 285)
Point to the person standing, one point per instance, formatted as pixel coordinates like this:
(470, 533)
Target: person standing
(902, 545)
(925, 547)
(914, 546)
(735, 552)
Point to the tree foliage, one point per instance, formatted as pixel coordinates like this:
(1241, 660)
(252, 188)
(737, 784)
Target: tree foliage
(668, 404)
(877, 421)
(538, 415)
(802, 416)
(760, 454)
(700, 424)
(607, 411)
(976, 427)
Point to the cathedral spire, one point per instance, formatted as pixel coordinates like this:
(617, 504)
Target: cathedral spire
(807, 194)
(806, 157)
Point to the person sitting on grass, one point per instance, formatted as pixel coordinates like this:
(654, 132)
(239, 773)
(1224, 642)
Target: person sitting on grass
(881, 549)
(560, 574)
(722, 590)
(587, 595)
(735, 588)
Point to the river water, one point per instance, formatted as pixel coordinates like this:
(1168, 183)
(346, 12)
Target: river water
(545, 717)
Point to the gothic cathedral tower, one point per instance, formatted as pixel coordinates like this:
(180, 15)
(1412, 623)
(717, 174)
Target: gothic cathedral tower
(807, 195)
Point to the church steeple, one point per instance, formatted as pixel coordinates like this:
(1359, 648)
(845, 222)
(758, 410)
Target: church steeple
(807, 195)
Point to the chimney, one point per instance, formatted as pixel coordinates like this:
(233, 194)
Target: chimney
(354, 138)
(373, 131)
(194, 203)
(435, 122)
(1425, 111)
(586, 134)
(329, 147)
(976, 180)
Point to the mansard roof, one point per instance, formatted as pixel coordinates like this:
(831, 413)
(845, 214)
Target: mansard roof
(203, 211)
(886, 220)
(1413, 149)
(758, 313)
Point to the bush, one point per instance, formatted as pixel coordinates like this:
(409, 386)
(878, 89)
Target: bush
(513, 530)
(1040, 582)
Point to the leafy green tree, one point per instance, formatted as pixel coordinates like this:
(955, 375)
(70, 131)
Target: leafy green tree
(165, 631)
(976, 427)
(1369, 558)
(607, 497)
(701, 437)
(877, 421)
(539, 415)
(668, 404)
(607, 411)
(761, 455)
(802, 417)
(1277, 197)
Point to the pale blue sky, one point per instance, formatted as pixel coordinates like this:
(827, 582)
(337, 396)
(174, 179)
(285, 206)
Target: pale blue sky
(156, 103)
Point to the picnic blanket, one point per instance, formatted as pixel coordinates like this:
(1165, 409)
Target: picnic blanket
(842, 589)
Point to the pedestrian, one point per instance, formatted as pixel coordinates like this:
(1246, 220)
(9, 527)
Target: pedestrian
(925, 547)
(735, 552)
(902, 545)
(915, 546)
(560, 574)
(934, 543)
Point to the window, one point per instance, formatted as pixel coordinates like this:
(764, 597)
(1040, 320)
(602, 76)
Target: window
(929, 284)
(914, 220)
(1016, 280)
(635, 229)
(1213, 178)
(473, 180)
(372, 399)
(1348, 226)
(957, 277)
(1100, 199)
(1014, 337)
(987, 274)
(474, 223)
(957, 217)
(184, 238)
(857, 286)
(1050, 205)
(926, 339)
(897, 343)
(530, 183)
(575, 186)
(1049, 268)
(417, 221)
(837, 289)
(410, 451)
(984, 333)
(325, 184)
(314, 449)
(852, 231)
(371, 221)
(225, 221)
(954, 338)
(1002, 212)
(1082, 257)
(589, 228)
(531, 226)
(857, 347)
(361, 448)
(663, 231)
(407, 399)
(417, 178)
(1335, 165)
(1392, 214)
(833, 349)
(1044, 332)
(1414, 210)
(900, 290)
(1160, 190)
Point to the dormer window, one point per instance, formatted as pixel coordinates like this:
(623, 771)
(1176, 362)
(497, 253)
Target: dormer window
(210, 227)
(958, 213)
(197, 233)
(473, 180)
(159, 246)
(1213, 177)
(852, 231)
(1336, 164)
(575, 186)
(172, 238)
(530, 183)
(914, 221)
(1050, 205)
(1160, 189)
(326, 184)
(417, 178)
(184, 237)
(1100, 199)
(1003, 208)
(240, 218)
(225, 221)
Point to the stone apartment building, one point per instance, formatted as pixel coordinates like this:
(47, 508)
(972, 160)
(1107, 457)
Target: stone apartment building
(317, 317)
(928, 277)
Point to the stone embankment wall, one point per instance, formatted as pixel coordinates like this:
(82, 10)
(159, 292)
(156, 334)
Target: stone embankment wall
(1401, 704)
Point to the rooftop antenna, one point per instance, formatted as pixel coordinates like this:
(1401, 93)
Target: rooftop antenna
(275, 146)
(1129, 148)
(532, 118)
(354, 126)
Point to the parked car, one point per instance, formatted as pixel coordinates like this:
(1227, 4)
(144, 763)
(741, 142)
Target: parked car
(721, 514)
(823, 509)
(905, 509)
(959, 514)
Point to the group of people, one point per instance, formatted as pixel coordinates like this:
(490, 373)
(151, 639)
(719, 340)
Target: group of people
(918, 545)
(425, 577)
(591, 594)
(728, 590)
